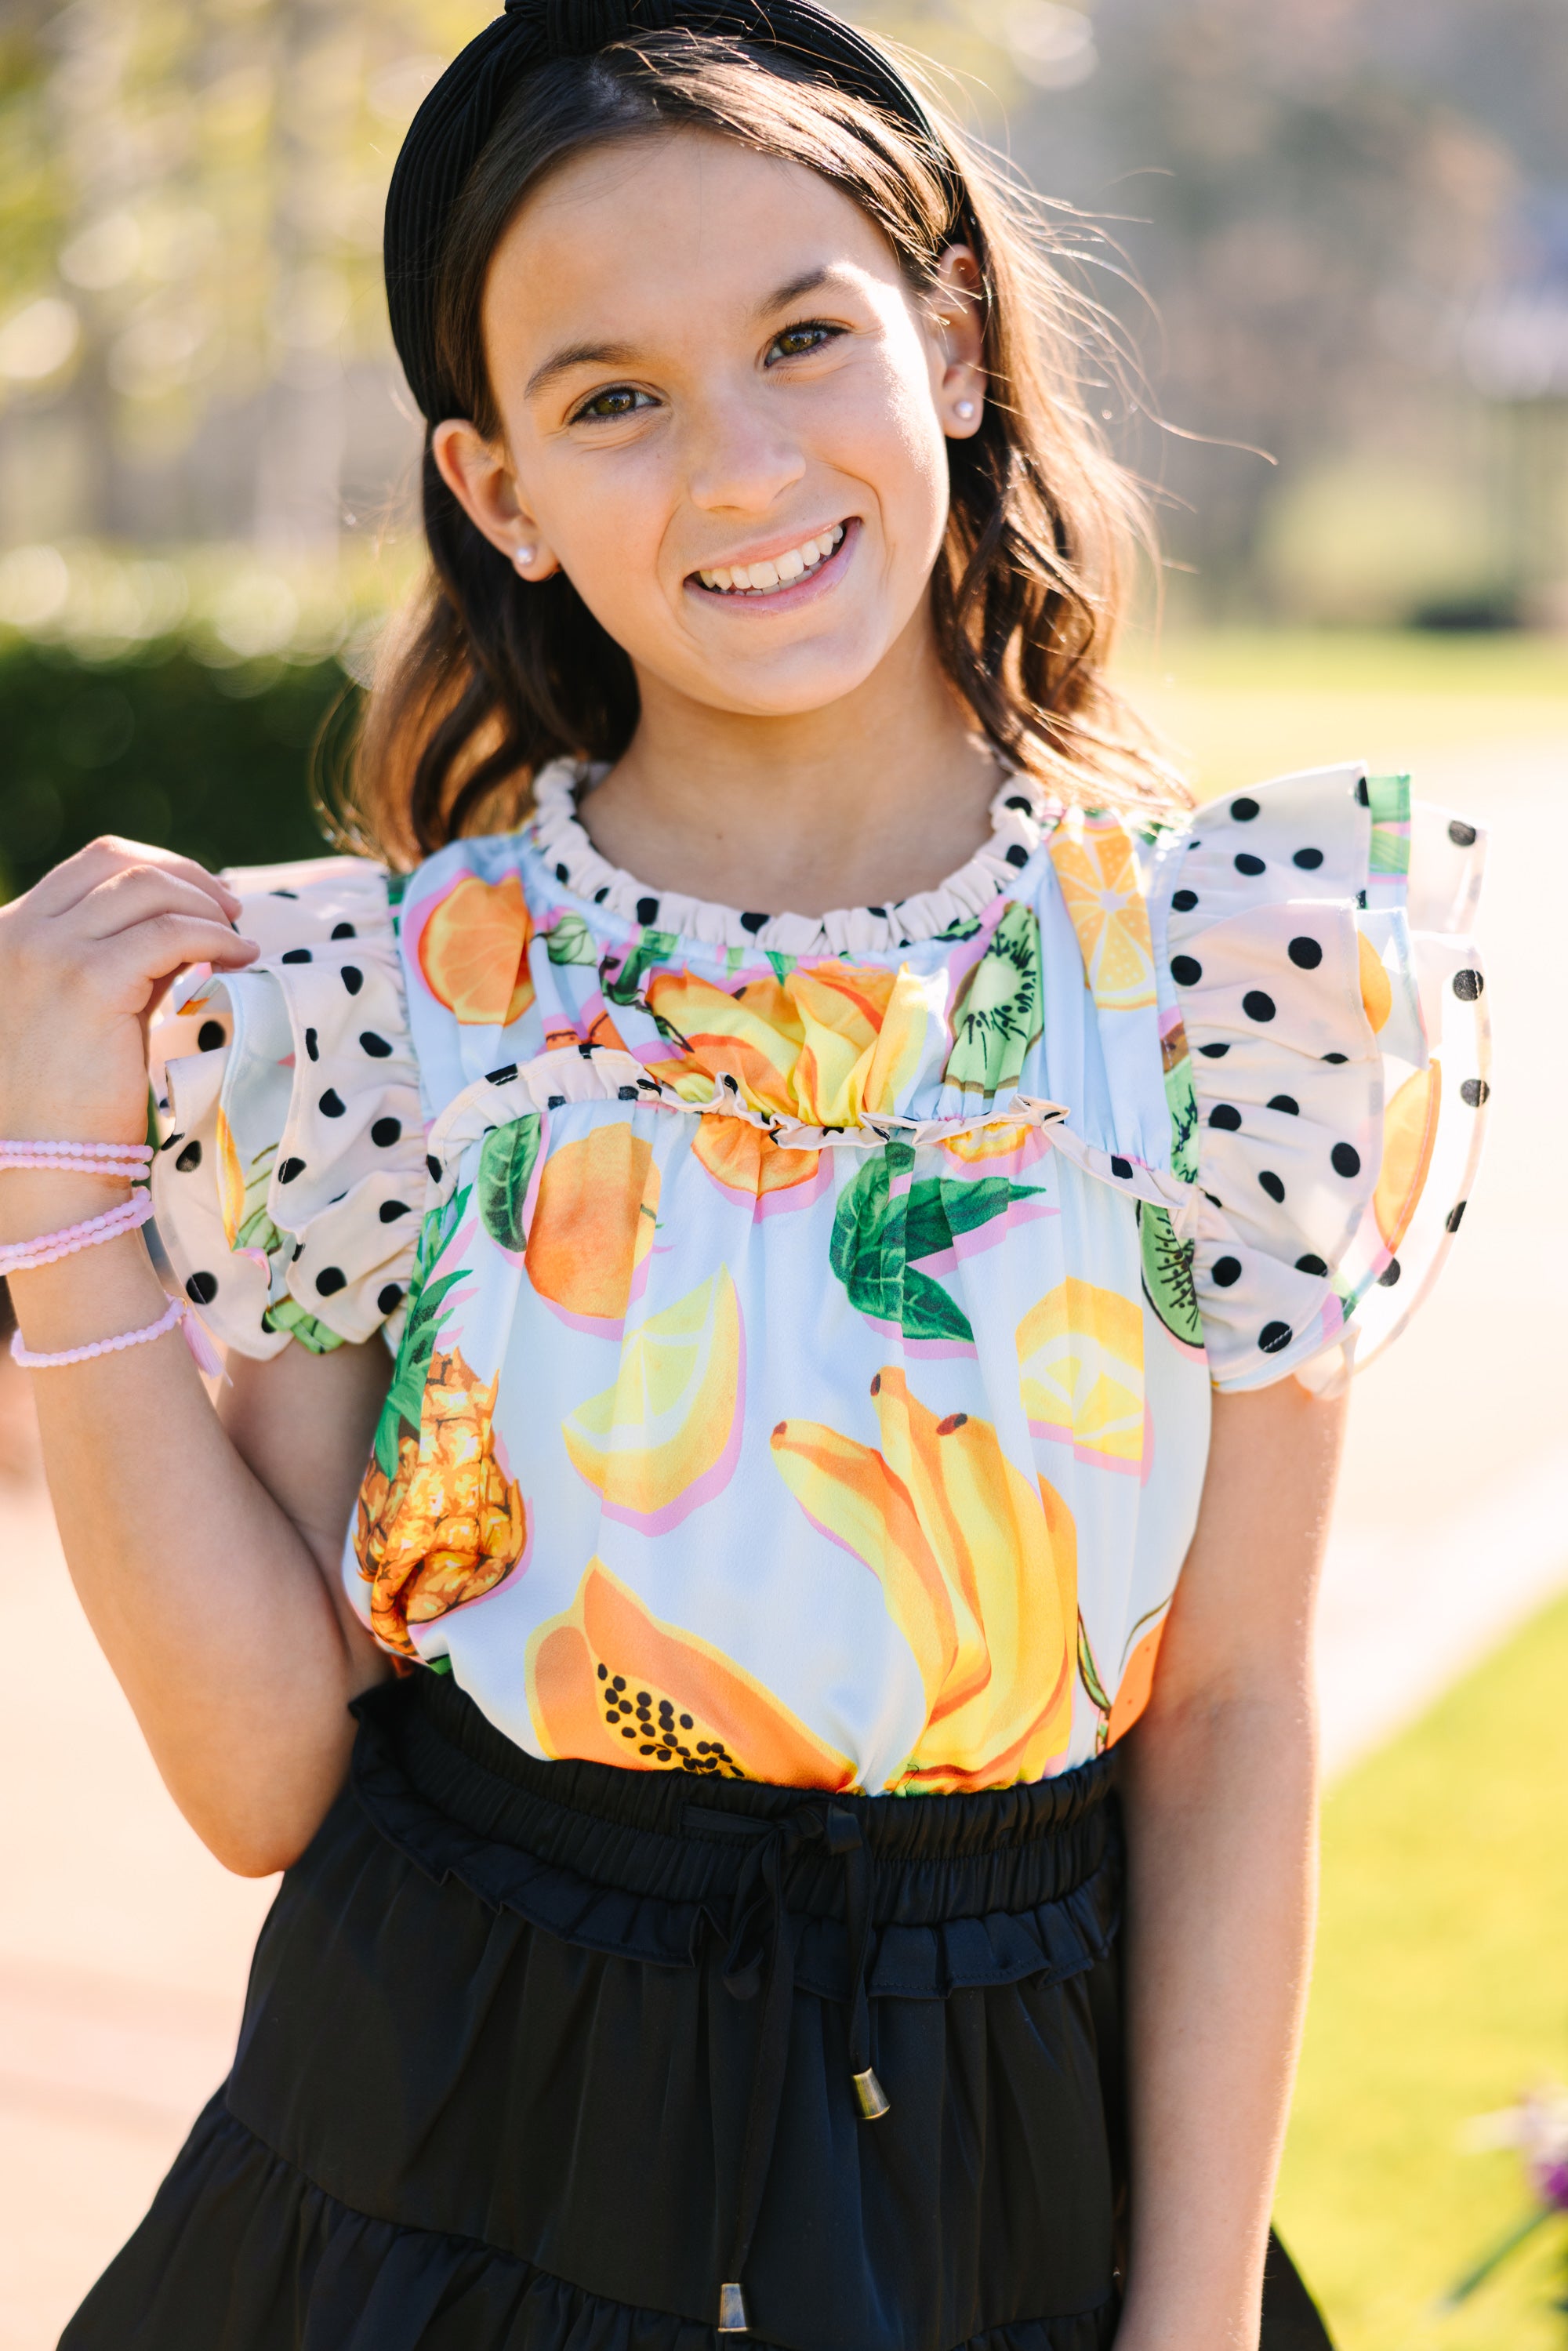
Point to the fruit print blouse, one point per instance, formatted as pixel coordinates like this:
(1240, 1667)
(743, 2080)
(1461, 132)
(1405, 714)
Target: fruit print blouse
(804, 1330)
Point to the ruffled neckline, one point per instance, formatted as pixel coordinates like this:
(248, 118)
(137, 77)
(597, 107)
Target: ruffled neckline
(1020, 819)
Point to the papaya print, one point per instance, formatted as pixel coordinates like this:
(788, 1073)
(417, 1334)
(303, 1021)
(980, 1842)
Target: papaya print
(1096, 865)
(448, 1523)
(594, 1222)
(664, 1438)
(744, 1158)
(474, 952)
(978, 1569)
(507, 1163)
(1080, 1372)
(829, 1044)
(996, 1017)
(1168, 1283)
(1409, 1138)
(608, 1682)
(886, 1221)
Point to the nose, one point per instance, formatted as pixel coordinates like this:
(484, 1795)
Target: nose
(740, 460)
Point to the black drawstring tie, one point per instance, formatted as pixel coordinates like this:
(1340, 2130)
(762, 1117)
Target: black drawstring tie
(763, 1941)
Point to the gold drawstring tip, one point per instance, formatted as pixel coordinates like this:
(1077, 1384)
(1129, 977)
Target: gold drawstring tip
(732, 2319)
(873, 2098)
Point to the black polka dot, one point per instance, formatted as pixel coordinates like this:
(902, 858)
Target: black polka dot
(1016, 855)
(310, 1046)
(1122, 1168)
(1017, 801)
(1286, 1102)
(1184, 901)
(290, 1170)
(1456, 1216)
(202, 1288)
(754, 923)
(1243, 810)
(1257, 1005)
(1227, 1271)
(391, 1210)
(1272, 1185)
(331, 1103)
(1363, 796)
(295, 954)
(1346, 1160)
(555, 1102)
(1468, 985)
(433, 1165)
(1214, 1053)
(343, 931)
(647, 910)
(600, 894)
(1273, 1336)
(1226, 1117)
(283, 894)
(1361, 900)
(190, 1159)
(1309, 859)
(1310, 1264)
(1474, 1091)
(1390, 1273)
(880, 911)
(625, 1094)
(388, 1299)
(563, 872)
(376, 1047)
(1305, 954)
(352, 977)
(386, 1132)
(1185, 971)
(1336, 1059)
(1214, 1199)
(330, 1281)
(1250, 865)
(210, 1036)
(1461, 834)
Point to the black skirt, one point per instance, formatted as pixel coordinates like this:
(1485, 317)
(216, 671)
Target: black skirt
(553, 2058)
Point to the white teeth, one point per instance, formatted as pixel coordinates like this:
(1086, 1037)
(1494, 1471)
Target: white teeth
(764, 579)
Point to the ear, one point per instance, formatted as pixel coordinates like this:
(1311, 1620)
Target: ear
(476, 473)
(957, 312)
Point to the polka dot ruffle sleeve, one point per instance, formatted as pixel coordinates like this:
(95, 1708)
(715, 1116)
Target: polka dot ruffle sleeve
(290, 1183)
(1314, 934)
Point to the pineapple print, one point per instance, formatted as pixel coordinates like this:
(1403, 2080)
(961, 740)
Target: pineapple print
(448, 1523)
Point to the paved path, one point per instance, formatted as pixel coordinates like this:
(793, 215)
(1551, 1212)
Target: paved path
(123, 1947)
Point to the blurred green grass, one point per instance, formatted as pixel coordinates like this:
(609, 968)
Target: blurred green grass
(1440, 1992)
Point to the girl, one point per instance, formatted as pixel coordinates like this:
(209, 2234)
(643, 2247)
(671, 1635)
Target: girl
(852, 1226)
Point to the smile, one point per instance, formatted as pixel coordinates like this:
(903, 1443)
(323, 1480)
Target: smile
(778, 572)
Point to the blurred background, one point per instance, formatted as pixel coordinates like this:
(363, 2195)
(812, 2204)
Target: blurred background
(1335, 233)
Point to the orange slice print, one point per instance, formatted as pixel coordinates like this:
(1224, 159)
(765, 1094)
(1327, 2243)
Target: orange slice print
(1097, 872)
(474, 952)
(609, 1683)
(1409, 1136)
(1081, 1363)
(744, 1158)
(663, 1438)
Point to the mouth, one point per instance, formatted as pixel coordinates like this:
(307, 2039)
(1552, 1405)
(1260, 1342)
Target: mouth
(785, 574)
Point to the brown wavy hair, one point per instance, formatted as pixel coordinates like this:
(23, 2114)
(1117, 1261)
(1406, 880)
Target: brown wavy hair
(485, 678)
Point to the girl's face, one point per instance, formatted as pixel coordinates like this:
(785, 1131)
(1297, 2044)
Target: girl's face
(723, 415)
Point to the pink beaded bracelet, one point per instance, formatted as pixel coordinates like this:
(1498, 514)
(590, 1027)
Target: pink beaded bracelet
(177, 1311)
(127, 1162)
(23, 1257)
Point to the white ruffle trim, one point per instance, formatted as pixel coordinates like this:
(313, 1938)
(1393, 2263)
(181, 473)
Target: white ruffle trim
(290, 1182)
(1020, 818)
(1339, 1059)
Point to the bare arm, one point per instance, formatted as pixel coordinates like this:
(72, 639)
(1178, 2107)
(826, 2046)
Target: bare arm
(205, 1551)
(1220, 1791)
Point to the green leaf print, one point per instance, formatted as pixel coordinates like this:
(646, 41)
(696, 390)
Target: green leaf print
(421, 1327)
(506, 1166)
(569, 940)
(290, 1316)
(880, 1235)
(625, 985)
(996, 1017)
(1167, 1275)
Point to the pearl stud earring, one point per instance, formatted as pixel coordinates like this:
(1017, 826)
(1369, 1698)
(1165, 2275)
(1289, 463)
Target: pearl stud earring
(963, 408)
(523, 556)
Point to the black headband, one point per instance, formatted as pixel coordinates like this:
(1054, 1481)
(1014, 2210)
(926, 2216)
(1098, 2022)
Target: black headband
(446, 135)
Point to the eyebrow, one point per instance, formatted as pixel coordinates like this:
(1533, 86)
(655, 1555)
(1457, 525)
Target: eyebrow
(615, 355)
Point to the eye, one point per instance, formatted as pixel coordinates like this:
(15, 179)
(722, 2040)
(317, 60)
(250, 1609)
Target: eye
(796, 342)
(617, 400)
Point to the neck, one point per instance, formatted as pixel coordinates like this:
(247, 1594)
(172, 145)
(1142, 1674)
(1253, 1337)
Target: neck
(867, 801)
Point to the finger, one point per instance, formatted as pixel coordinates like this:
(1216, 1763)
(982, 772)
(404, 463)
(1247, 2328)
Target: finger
(70, 881)
(138, 893)
(134, 962)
